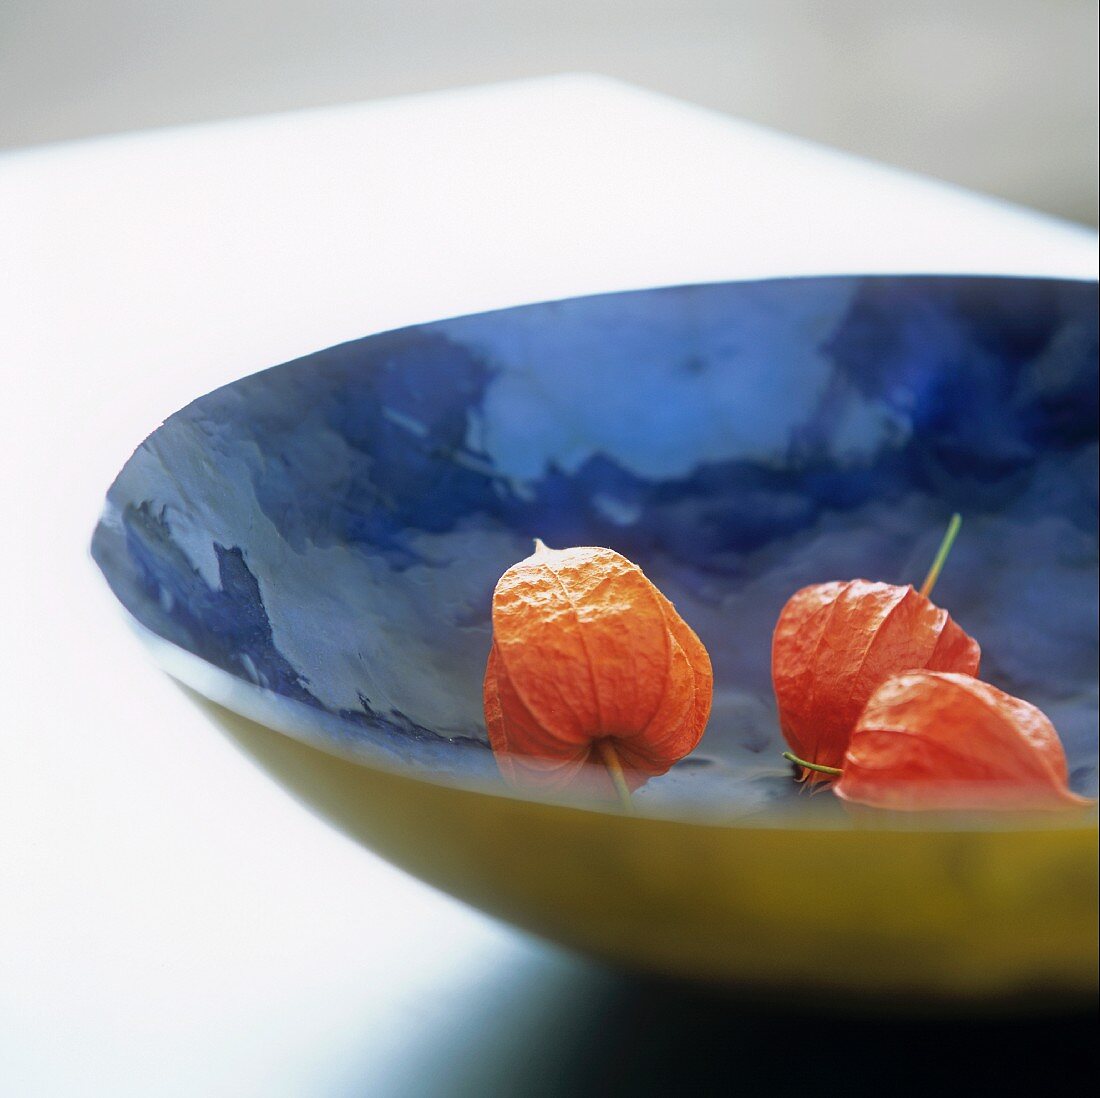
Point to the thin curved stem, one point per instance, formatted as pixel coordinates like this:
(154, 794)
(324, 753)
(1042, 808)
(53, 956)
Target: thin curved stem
(834, 770)
(941, 555)
(615, 769)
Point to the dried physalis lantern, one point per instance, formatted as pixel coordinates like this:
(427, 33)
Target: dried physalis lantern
(590, 663)
(940, 741)
(835, 643)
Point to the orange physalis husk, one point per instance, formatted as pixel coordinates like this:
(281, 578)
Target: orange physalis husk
(835, 643)
(941, 741)
(590, 663)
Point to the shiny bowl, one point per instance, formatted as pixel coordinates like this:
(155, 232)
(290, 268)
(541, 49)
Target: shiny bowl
(314, 548)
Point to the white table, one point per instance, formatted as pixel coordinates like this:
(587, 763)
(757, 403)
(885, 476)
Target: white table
(171, 922)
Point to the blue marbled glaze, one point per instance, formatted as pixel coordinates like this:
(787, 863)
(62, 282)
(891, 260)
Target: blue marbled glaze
(331, 529)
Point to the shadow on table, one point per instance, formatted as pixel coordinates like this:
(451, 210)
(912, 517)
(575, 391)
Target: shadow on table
(607, 1034)
(562, 1026)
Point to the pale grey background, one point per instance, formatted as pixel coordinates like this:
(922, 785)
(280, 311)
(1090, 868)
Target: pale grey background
(998, 95)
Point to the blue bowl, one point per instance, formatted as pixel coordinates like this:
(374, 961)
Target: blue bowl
(315, 547)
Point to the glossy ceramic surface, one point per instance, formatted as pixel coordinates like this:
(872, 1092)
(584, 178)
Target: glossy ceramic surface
(330, 530)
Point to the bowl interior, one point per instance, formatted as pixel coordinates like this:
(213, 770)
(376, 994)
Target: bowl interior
(329, 531)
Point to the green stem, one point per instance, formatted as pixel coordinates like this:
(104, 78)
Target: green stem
(941, 555)
(834, 770)
(615, 769)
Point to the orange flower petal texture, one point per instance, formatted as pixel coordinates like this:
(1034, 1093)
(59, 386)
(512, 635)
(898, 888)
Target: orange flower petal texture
(835, 643)
(942, 741)
(585, 648)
